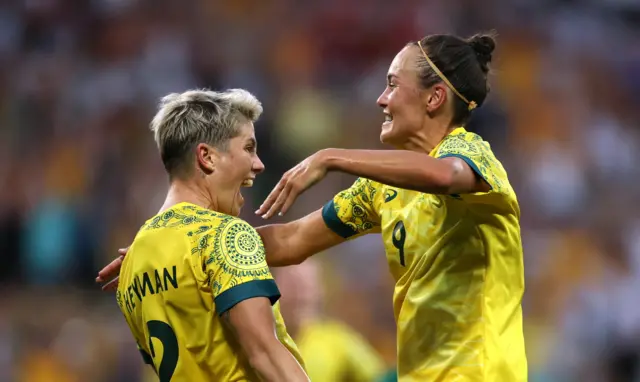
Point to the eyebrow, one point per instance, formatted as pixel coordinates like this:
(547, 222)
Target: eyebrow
(391, 76)
(253, 141)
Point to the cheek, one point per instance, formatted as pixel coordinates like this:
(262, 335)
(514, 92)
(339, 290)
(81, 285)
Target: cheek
(401, 101)
(236, 165)
(410, 107)
(395, 100)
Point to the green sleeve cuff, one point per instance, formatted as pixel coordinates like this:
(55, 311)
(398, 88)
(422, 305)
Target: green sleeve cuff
(471, 164)
(390, 376)
(334, 223)
(256, 288)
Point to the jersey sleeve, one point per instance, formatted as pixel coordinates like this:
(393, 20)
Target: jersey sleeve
(236, 268)
(477, 154)
(353, 211)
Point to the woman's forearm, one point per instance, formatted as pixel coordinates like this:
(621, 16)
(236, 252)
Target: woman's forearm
(398, 168)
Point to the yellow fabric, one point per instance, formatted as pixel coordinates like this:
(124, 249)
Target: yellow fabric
(333, 352)
(185, 267)
(458, 265)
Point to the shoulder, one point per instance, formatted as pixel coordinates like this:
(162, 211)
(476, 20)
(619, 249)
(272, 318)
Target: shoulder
(477, 153)
(472, 149)
(235, 242)
(233, 253)
(183, 216)
(463, 143)
(233, 231)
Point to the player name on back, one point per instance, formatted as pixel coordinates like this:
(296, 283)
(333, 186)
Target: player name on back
(150, 283)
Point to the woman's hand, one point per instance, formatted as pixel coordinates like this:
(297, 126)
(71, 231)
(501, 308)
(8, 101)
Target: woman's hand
(293, 183)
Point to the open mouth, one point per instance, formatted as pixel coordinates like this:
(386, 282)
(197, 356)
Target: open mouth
(388, 117)
(247, 183)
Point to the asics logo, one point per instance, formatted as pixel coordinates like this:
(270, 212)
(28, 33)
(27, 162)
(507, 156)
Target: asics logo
(389, 195)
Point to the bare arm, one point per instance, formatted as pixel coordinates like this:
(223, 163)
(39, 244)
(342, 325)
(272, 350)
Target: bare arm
(407, 169)
(292, 243)
(285, 244)
(252, 323)
(398, 168)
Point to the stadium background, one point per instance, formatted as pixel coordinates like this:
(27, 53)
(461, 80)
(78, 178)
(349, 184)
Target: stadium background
(79, 172)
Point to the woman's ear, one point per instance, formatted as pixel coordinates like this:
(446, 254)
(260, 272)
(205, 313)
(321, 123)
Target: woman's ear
(435, 97)
(207, 158)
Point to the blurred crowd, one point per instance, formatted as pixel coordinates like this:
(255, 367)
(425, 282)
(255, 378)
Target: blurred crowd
(79, 172)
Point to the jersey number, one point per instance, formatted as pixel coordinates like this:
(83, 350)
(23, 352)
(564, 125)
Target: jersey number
(398, 238)
(166, 335)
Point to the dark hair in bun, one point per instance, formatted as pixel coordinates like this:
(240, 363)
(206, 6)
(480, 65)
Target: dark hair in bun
(465, 64)
(483, 45)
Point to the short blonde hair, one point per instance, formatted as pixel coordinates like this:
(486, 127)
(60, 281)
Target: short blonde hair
(200, 116)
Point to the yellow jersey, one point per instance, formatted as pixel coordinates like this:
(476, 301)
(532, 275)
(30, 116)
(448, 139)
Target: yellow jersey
(186, 267)
(458, 265)
(333, 352)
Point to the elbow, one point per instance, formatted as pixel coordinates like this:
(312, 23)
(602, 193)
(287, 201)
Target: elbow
(282, 261)
(291, 249)
(258, 350)
(302, 259)
(285, 260)
(297, 260)
(259, 360)
(439, 182)
(266, 359)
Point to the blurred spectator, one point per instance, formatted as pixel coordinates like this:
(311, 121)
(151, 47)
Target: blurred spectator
(333, 352)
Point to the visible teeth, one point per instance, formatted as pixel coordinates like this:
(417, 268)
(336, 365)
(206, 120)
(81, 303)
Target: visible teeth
(388, 118)
(247, 183)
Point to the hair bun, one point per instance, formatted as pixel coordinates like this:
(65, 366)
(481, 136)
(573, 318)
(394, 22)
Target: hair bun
(483, 45)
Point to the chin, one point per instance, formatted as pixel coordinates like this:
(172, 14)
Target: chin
(238, 203)
(384, 137)
(236, 211)
(392, 137)
(388, 138)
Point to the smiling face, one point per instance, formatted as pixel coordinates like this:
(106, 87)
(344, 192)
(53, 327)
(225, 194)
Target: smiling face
(403, 100)
(233, 168)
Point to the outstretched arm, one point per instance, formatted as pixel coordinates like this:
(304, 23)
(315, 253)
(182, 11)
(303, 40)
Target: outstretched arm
(292, 243)
(285, 244)
(408, 169)
(108, 276)
(399, 168)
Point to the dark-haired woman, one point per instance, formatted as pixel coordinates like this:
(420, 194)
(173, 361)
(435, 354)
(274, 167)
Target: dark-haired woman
(448, 216)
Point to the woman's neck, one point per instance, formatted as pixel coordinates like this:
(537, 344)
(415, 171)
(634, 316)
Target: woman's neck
(428, 138)
(186, 192)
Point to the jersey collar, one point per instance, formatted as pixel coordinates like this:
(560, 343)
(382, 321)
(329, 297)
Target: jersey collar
(456, 131)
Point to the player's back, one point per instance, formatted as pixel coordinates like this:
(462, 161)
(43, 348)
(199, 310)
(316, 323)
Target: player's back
(186, 266)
